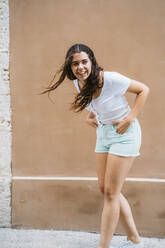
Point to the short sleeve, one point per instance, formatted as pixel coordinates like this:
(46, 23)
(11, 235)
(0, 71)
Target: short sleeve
(120, 83)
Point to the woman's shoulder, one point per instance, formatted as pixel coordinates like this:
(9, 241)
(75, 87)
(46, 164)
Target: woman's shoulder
(111, 73)
(113, 76)
(109, 76)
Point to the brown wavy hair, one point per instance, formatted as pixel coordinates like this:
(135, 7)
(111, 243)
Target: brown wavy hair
(84, 97)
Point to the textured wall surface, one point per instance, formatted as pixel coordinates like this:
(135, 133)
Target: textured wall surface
(5, 123)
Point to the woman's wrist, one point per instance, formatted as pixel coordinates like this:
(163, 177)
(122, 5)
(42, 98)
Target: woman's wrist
(130, 118)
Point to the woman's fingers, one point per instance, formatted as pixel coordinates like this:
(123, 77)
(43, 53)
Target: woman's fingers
(92, 122)
(123, 126)
(95, 123)
(122, 129)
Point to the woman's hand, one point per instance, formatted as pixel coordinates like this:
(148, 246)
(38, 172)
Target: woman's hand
(123, 125)
(91, 120)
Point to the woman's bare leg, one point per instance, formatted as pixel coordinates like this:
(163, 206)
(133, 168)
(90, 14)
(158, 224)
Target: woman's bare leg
(113, 174)
(126, 216)
(127, 220)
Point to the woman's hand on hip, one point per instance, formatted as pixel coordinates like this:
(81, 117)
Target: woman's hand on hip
(92, 122)
(91, 119)
(122, 125)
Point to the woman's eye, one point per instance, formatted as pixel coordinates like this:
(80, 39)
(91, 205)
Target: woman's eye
(75, 63)
(85, 61)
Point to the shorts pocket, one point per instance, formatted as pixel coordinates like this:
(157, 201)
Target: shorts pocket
(129, 130)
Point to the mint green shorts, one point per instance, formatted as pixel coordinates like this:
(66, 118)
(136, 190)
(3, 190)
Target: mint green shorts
(127, 144)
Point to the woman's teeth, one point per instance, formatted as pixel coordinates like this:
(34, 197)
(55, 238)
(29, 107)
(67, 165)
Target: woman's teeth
(81, 74)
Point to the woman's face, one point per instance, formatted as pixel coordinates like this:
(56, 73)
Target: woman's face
(81, 66)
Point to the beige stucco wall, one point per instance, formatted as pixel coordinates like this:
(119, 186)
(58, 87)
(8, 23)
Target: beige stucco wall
(51, 141)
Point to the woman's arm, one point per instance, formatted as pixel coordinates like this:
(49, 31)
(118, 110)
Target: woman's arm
(91, 119)
(141, 91)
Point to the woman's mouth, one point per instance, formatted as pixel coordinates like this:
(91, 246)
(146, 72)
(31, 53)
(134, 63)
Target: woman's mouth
(82, 74)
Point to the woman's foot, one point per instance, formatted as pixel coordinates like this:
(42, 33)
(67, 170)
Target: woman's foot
(130, 244)
(135, 239)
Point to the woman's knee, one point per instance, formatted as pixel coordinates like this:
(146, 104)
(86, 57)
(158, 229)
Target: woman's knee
(110, 195)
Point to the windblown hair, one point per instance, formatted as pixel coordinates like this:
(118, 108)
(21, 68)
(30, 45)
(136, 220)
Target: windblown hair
(84, 97)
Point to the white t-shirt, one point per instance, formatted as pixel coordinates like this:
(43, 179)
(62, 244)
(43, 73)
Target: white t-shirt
(111, 105)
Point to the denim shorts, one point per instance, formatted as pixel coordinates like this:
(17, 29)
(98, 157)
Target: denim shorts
(127, 144)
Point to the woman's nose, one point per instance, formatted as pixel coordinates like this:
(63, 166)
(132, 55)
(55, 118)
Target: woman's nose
(80, 66)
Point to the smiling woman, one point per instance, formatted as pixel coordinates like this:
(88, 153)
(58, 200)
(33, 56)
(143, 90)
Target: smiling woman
(117, 128)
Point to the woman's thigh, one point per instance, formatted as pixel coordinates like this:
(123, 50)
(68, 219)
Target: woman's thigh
(117, 168)
(101, 160)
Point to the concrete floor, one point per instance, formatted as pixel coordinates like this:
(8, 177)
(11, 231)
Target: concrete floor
(17, 238)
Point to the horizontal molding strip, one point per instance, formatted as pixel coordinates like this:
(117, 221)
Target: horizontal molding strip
(137, 179)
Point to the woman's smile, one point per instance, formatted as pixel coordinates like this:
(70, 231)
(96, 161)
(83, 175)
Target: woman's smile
(81, 74)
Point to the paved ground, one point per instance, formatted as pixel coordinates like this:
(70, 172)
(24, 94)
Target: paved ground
(16, 238)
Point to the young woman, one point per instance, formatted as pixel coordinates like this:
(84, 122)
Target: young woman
(118, 132)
